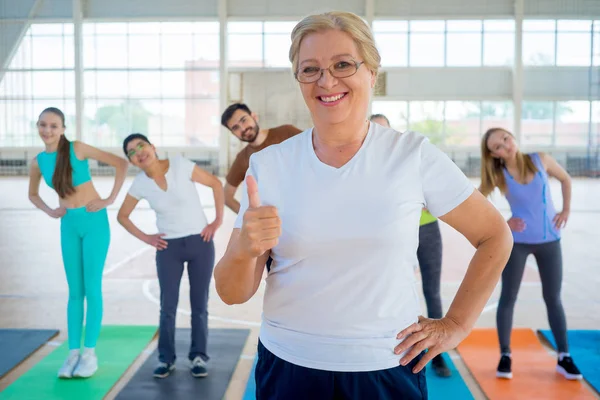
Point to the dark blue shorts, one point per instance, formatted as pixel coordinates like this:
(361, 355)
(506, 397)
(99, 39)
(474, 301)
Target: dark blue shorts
(277, 379)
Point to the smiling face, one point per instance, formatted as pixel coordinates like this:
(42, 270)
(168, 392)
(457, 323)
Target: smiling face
(244, 126)
(502, 145)
(141, 153)
(50, 128)
(334, 100)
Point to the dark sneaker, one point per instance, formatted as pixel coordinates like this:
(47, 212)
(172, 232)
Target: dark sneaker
(566, 367)
(163, 370)
(439, 366)
(199, 368)
(504, 368)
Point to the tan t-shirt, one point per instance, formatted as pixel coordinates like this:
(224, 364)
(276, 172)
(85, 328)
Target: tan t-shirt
(237, 173)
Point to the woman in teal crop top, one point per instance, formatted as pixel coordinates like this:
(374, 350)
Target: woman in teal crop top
(84, 229)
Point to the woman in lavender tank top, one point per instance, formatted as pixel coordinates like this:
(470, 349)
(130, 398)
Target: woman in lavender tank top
(535, 224)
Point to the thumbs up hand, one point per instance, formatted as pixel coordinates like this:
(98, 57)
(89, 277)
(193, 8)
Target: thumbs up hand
(261, 227)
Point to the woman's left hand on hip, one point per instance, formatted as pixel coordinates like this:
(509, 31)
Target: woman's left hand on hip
(435, 335)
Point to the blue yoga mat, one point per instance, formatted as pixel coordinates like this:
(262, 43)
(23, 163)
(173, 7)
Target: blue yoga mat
(437, 388)
(584, 346)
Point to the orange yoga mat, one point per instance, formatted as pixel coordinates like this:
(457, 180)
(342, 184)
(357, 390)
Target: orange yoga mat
(533, 368)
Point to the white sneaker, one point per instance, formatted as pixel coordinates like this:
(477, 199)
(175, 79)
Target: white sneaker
(88, 365)
(66, 371)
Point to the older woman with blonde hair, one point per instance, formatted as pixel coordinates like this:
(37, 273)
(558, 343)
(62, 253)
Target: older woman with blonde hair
(337, 207)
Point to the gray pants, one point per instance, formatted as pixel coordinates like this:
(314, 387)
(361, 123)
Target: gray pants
(200, 258)
(429, 254)
(549, 261)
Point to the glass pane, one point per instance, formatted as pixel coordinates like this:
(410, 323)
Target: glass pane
(596, 58)
(47, 29)
(47, 52)
(89, 52)
(205, 27)
(150, 28)
(497, 114)
(536, 124)
(390, 26)
(177, 28)
(462, 123)
(144, 84)
(19, 124)
(144, 51)
(89, 84)
(393, 48)
(427, 50)
(427, 118)
(244, 27)
(206, 47)
(276, 46)
(17, 85)
(23, 56)
(499, 25)
(427, 26)
(538, 48)
(574, 25)
(111, 84)
(202, 84)
(463, 26)
(69, 51)
(202, 122)
(463, 49)
(174, 83)
(245, 50)
(111, 51)
(534, 25)
(572, 123)
(110, 121)
(280, 27)
(395, 111)
(51, 84)
(177, 51)
(498, 49)
(574, 49)
(167, 123)
(111, 28)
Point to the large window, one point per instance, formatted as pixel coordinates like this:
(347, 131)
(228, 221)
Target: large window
(39, 75)
(563, 43)
(392, 42)
(158, 78)
(447, 123)
(259, 44)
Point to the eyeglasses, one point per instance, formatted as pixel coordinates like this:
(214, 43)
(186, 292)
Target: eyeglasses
(137, 148)
(339, 69)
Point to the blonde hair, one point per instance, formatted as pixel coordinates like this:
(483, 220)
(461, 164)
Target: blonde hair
(491, 168)
(346, 22)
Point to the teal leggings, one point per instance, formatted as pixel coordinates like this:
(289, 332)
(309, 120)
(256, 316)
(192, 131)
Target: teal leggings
(85, 237)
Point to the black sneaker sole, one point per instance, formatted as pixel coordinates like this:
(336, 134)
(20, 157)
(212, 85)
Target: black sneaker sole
(162, 376)
(203, 375)
(571, 377)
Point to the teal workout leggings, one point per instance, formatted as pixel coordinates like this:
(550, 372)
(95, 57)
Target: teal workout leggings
(85, 237)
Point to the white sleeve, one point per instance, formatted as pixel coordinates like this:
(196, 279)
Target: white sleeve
(185, 167)
(135, 189)
(445, 186)
(244, 200)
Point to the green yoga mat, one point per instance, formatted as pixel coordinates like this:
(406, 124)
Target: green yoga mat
(117, 349)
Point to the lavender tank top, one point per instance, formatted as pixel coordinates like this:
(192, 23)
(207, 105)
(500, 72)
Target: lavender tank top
(533, 204)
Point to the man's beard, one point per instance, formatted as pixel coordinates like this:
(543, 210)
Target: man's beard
(251, 136)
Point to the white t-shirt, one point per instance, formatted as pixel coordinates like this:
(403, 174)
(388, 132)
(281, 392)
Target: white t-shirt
(179, 212)
(342, 283)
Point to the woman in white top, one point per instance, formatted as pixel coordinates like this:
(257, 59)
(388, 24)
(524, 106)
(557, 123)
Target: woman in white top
(337, 207)
(184, 235)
